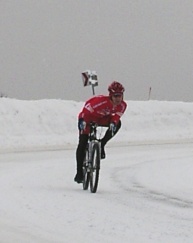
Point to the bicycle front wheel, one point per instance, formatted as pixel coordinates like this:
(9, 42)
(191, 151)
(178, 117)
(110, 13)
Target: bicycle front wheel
(94, 172)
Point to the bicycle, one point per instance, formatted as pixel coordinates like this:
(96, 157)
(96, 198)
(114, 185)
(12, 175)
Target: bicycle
(91, 164)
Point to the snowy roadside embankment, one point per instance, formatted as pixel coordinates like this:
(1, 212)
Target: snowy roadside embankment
(52, 124)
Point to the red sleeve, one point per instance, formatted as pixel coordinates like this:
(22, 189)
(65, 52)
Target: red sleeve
(119, 112)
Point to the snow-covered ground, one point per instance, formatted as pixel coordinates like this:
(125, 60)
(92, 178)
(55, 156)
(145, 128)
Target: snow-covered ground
(44, 124)
(145, 190)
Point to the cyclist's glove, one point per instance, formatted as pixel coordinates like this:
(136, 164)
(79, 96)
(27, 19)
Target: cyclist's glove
(112, 127)
(81, 124)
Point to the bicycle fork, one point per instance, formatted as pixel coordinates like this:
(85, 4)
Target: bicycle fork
(90, 153)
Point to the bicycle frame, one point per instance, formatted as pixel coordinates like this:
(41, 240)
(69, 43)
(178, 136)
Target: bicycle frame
(92, 139)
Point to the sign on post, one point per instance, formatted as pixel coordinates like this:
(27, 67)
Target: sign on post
(90, 78)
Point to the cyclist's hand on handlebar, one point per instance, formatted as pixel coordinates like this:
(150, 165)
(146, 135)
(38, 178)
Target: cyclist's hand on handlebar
(112, 127)
(81, 124)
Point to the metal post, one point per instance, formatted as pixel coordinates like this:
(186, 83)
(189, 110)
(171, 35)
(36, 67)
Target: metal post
(93, 89)
(149, 93)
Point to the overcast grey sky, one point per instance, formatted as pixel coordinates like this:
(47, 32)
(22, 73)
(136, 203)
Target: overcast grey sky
(46, 44)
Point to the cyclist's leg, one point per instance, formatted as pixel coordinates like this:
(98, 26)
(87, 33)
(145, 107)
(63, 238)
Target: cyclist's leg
(80, 153)
(108, 135)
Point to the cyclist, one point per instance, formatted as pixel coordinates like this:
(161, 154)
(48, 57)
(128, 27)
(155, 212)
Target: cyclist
(105, 111)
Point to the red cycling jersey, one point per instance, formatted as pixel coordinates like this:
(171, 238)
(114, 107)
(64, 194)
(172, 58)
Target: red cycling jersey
(101, 110)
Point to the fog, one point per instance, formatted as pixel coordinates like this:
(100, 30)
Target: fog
(46, 44)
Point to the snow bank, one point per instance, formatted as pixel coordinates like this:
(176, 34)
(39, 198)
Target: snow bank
(52, 124)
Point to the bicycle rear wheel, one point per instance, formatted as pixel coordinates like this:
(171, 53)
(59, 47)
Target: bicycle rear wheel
(94, 172)
(86, 173)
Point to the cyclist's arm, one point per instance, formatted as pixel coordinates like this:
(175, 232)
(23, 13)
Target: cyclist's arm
(120, 111)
